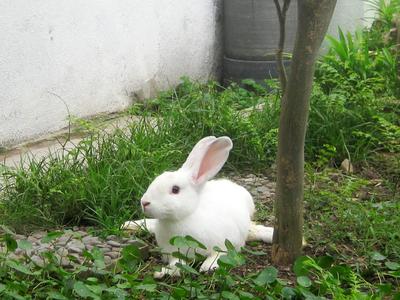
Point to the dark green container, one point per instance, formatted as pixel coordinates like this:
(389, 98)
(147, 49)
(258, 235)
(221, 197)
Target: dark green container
(251, 35)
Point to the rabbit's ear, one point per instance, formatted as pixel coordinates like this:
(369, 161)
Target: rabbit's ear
(207, 158)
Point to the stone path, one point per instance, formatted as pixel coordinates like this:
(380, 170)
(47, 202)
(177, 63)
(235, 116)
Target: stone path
(69, 246)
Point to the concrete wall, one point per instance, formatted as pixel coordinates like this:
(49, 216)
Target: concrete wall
(96, 55)
(349, 15)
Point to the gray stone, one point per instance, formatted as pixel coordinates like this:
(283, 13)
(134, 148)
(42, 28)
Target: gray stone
(64, 239)
(81, 233)
(32, 239)
(91, 240)
(76, 244)
(107, 260)
(111, 237)
(18, 251)
(38, 260)
(105, 249)
(73, 249)
(114, 243)
(42, 249)
(346, 166)
(64, 261)
(262, 189)
(20, 237)
(113, 254)
(62, 252)
(39, 235)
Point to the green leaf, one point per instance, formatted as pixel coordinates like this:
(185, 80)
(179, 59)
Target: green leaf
(385, 288)
(24, 244)
(186, 242)
(83, 291)
(98, 258)
(118, 293)
(194, 243)
(182, 256)
(131, 252)
(187, 269)
(11, 243)
(304, 281)
(6, 230)
(231, 259)
(288, 293)
(149, 287)
(325, 261)
(56, 295)
(19, 267)
(179, 293)
(229, 295)
(267, 276)
(246, 295)
(229, 245)
(50, 236)
(301, 265)
(393, 266)
(377, 256)
(2, 287)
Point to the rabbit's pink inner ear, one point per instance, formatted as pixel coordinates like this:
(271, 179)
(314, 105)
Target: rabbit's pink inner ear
(195, 156)
(213, 160)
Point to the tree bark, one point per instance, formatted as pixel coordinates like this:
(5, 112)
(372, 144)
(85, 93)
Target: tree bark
(313, 19)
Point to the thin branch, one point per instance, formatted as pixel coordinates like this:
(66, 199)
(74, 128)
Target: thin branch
(281, 11)
(69, 119)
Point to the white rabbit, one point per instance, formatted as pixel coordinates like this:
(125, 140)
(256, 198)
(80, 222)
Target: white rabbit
(185, 202)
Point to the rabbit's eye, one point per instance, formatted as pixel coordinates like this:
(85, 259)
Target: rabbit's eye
(175, 189)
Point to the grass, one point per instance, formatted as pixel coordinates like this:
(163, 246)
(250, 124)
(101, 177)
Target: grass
(351, 220)
(100, 181)
(130, 278)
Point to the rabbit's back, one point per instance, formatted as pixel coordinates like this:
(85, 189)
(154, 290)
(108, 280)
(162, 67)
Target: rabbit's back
(227, 198)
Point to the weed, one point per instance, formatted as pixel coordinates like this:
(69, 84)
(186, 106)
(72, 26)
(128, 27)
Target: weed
(23, 279)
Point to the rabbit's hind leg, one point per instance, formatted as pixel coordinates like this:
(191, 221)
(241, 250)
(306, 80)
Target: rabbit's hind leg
(260, 233)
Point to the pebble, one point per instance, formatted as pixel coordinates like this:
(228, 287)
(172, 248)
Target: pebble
(75, 250)
(113, 254)
(38, 260)
(91, 240)
(105, 249)
(64, 239)
(114, 243)
(107, 260)
(62, 252)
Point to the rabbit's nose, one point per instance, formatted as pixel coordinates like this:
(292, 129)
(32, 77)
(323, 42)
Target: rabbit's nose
(145, 203)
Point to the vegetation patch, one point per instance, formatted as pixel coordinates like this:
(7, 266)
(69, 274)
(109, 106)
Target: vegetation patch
(352, 220)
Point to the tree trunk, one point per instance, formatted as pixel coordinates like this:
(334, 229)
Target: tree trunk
(313, 19)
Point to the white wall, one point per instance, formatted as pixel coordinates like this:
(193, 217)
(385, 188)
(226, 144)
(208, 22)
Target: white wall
(349, 15)
(95, 54)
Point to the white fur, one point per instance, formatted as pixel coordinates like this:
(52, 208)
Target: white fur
(209, 211)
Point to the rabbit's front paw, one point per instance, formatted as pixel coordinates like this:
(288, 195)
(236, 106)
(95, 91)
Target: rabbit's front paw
(211, 263)
(171, 271)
